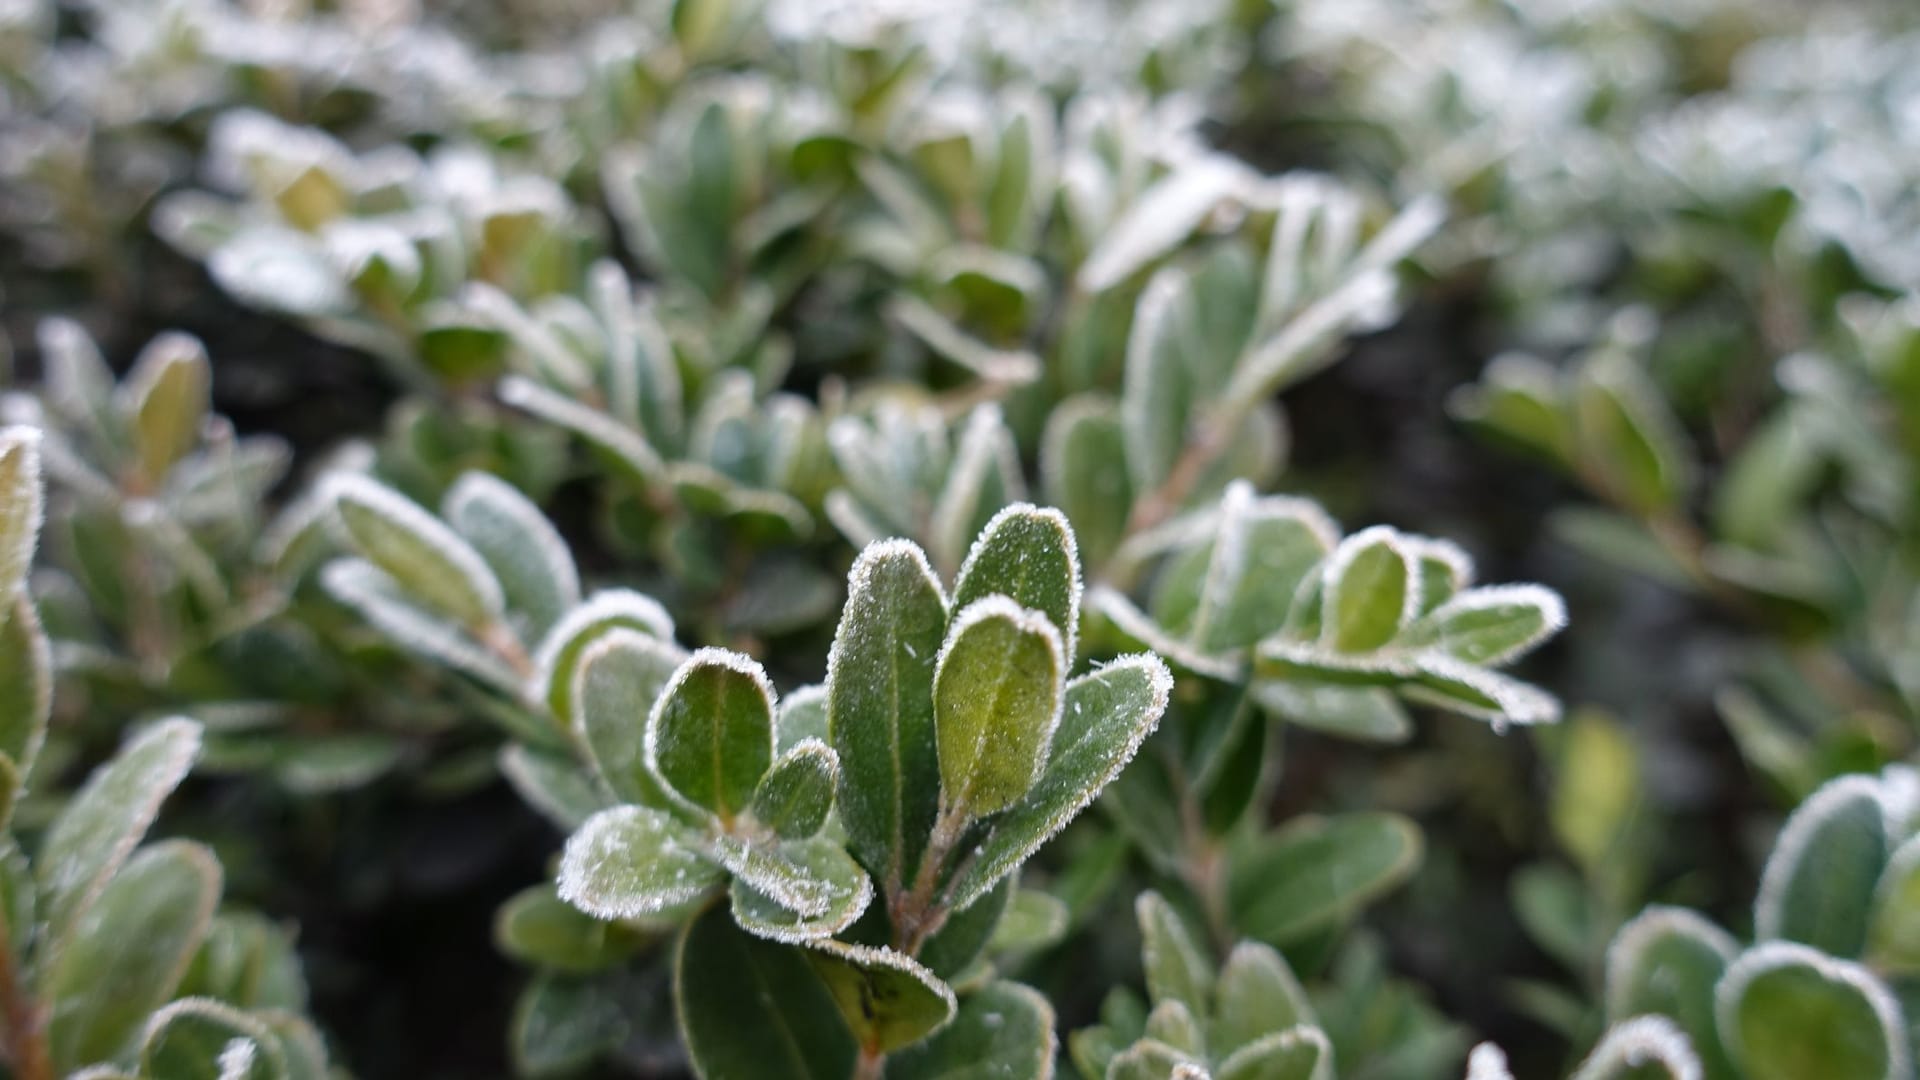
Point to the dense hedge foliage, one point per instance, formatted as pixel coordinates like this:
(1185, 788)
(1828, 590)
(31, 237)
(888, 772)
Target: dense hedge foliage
(774, 539)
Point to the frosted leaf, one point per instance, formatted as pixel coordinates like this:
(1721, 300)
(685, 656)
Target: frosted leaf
(630, 861)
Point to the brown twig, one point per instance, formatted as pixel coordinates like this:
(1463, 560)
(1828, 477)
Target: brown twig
(24, 1019)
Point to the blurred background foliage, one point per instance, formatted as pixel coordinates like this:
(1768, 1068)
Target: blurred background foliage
(1656, 345)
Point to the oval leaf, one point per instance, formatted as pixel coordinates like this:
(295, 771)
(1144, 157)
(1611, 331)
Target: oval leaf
(430, 561)
(631, 861)
(710, 737)
(997, 696)
(1105, 718)
(880, 707)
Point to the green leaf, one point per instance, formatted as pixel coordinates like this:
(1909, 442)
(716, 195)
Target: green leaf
(880, 707)
(1519, 398)
(1255, 995)
(1372, 591)
(203, 1039)
(1003, 1029)
(616, 683)
(1492, 626)
(1766, 480)
(1627, 435)
(561, 1024)
(795, 889)
(630, 861)
(248, 961)
(984, 476)
(1319, 871)
(430, 561)
(1176, 967)
(1298, 1053)
(624, 451)
(124, 959)
(1083, 470)
(521, 547)
(305, 1052)
(1641, 1049)
(796, 795)
(1029, 555)
(1893, 938)
(1455, 685)
(1160, 220)
(1150, 1059)
(1787, 1012)
(998, 688)
(560, 651)
(1033, 920)
(1598, 790)
(1262, 551)
(556, 787)
(802, 716)
(20, 509)
(964, 936)
(710, 737)
(538, 928)
(385, 606)
(26, 686)
(1154, 404)
(1352, 712)
(164, 398)
(1666, 961)
(727, 981)
(1105, 718)
(1171, 1022)
(888, 999)
(1818, 885)
(100, 826)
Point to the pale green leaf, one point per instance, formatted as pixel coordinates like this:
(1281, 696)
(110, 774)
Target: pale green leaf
(536, 927)
(164, 399)
(559, 653)
(1105, 718)
(1492, 626)
(106, 818)
(630, 861)
(1177, 968)
(998, 690)
(124, 957)
(1787, 1012)
(617, 680)
(429, 560)
(1255, 995)
(20, 508)
(796, 795)
(521, 547)
(1372, 591)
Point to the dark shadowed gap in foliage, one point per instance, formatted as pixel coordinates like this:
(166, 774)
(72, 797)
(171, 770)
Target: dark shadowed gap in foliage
(269, 376)
(396, 917)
